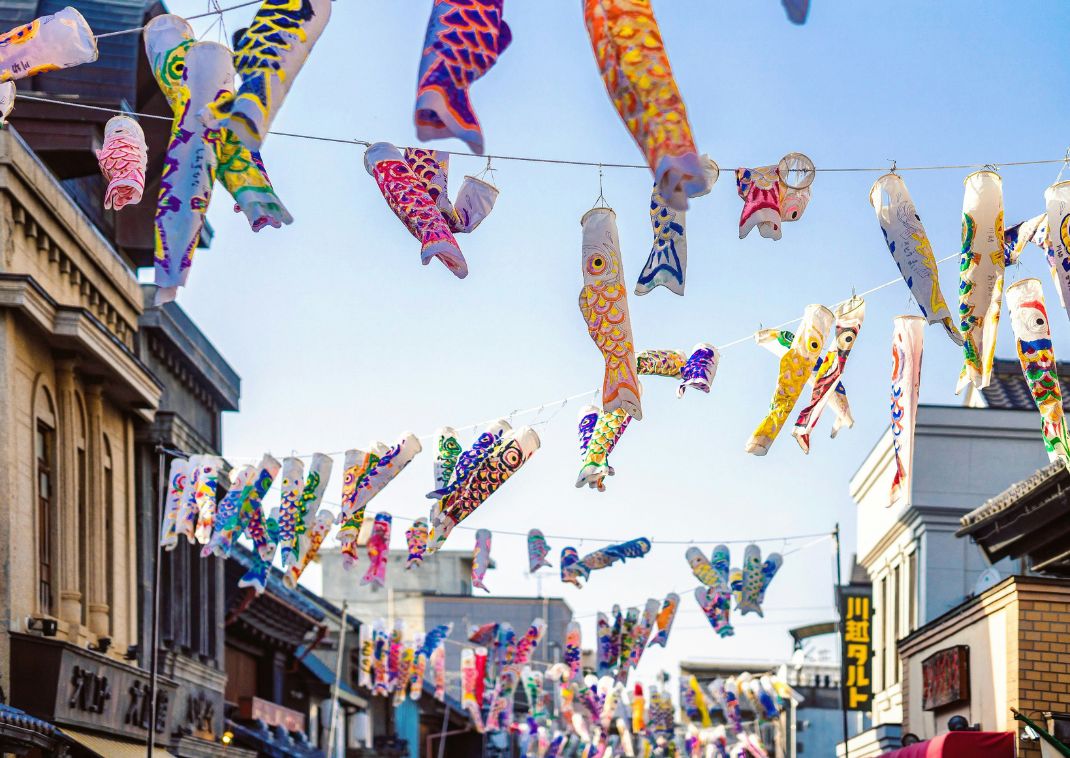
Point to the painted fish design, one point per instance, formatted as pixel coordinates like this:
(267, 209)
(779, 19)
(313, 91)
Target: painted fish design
(123, 159)
(416, 540)
(597, 441)
(537, 551)
(481, 558)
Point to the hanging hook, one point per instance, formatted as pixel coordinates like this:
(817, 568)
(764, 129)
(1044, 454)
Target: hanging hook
(600, 201)
(892, 169)
(488, 169)
(1066, 162)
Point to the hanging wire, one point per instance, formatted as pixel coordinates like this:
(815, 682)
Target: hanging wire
(218, 10)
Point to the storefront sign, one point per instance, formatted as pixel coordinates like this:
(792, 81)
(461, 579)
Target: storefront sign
(945, 678)
(856, 620)
(75, 687)
(271, 714)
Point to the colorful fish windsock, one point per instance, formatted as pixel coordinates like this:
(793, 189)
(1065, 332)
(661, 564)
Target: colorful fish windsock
(753, 579)
(177, 481)
(240, 171)
(777, 342)
(227, 519)
(378, 550)
(311, 542)
(188, 509)
(829, 370)
(796, 366)
(49, 43)
(291, 484)
(416, 540)
(664, 619)
(643, 629)
(760, 190)
(475, 199)
(407, 196)
(319, 474)
(908, 339)
(604, 305)
(123, 158)
(264, 532)
(365, 656)
(269, 56)
(981, 276)
(466, 462)
(7, 101)
(700, 369)
(635, 69)
(1018, 236)
(366, 473)
(483, 634)
(660, 363)
(481, 558)
(205, 494)
(667, 263)
(438, 668)
(573, 650)
(464, 39)
(537, 551)
(573, 568)
(1057, 208)
(717, 607)
(191, 162)
(503, 460)
(599, 434)
(910, 248)
(605, 661)
(1032, 335)
(447, 452)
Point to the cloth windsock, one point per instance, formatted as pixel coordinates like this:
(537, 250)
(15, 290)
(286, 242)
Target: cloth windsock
(778, 342)
(702, 568)
(660, 363)
(205, 495)
(123, 158)
(416, 541)
(911, 251)
(269, 56)
(717, 606)
(604, 304)
(643, 630)
(752, 581)
(240, 171)
(190, 163)
(637, 75)
(177, 481)
(908, 340)
(667, 263)
(186, 520)
(516, 447)
(760, 189)
(447, 452)
(980, 276)
(475, 199)
(319, 474)
(1017, 237)
(1032, 336)
(827, 374)
(700, 369)
(264, 532)
(664, 619)
(1057, 208)
(227, 522)
(468, 461)
(537, 551)
(378, 551)
(291, 485)
(249, 517)
(48, 43)
(770, 566)
(796, 366)
(310, 546)
(604, 658)
(7, 101)
(406, 195)
(438, 668)
(463, 41)
(574, 649)
(366, 656)
(599, 434)
(481, 558)
(468, 688)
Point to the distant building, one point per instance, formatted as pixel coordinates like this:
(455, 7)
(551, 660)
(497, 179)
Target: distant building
(919, 567)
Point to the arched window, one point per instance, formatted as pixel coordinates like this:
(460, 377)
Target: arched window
(109, 505)
(44, 486)
(82, 502)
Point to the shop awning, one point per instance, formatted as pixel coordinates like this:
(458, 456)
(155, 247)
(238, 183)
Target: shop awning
(106, 746)
(960, 745)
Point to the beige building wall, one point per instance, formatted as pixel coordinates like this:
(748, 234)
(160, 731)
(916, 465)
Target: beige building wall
(68, 306)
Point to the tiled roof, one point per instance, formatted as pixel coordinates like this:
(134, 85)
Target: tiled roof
(996, 505)
(1008, 389)
(244, 557)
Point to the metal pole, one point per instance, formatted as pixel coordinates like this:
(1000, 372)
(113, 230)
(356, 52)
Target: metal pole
(843, 660)
(161, 483)
(337, 680)
(445, 726)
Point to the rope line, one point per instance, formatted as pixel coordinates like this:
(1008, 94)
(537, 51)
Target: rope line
(216, 12)
(555, 161)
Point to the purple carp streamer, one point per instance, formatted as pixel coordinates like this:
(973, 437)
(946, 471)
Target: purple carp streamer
(599, 433)
(908, 339)
(464, 39)
(1032, 335)
(980, 276)
(829, 370)
(49, 43)
(909, 245)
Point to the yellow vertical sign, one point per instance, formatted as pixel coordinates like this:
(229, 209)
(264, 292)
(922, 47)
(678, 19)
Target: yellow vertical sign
(856, 619)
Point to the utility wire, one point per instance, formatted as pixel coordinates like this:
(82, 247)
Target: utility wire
(217, 11)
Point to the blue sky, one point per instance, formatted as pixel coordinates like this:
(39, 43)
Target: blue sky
(341, 336)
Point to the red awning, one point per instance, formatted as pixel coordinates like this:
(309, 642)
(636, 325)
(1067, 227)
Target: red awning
(960, 745)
